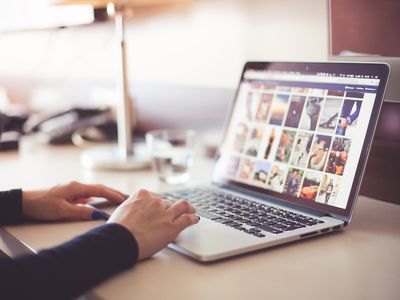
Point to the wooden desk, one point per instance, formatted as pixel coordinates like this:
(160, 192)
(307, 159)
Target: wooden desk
(362, 262)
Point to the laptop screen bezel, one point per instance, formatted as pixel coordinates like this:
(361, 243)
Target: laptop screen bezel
(373, 69)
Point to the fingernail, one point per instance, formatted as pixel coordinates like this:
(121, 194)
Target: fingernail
(97, 215)
(198, 217)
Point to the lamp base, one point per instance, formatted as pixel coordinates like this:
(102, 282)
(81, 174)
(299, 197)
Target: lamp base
(108, 157)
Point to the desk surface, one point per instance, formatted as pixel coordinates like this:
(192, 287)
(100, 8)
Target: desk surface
(362, 262)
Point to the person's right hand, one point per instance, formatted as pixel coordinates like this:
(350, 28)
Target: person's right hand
(153, 221)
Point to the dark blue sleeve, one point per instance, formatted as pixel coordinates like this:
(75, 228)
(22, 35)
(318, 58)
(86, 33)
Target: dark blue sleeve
(67, 271)
(11, 207)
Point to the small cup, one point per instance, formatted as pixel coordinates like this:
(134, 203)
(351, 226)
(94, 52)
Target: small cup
(172, 153)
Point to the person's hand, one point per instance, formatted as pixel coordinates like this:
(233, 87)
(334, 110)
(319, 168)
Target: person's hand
(66, 202)
(343, 122)
(153, 221)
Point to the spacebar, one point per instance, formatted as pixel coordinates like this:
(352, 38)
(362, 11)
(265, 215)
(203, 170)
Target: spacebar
(206, 214)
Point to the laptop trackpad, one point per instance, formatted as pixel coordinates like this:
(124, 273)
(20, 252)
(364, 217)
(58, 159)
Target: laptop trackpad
(208, 239)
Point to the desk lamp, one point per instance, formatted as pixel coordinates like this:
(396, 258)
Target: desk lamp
(125, 156)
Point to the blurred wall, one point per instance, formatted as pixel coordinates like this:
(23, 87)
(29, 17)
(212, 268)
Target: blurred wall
(199, 43)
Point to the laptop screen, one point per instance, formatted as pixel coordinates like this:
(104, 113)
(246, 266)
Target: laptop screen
(297, 131)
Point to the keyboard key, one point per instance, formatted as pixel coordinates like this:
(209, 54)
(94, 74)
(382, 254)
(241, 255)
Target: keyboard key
(255, 229)
(234, 224)
(206, 214)
(257, 234)
(270, 229)
(222, 220)
(241, 228)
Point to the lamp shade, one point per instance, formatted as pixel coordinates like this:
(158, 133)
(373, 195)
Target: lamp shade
(103, 3)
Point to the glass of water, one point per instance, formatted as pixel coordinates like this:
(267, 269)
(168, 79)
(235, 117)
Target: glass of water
(172, 152)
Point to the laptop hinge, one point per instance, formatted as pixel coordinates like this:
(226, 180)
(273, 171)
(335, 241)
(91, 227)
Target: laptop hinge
(339, 217)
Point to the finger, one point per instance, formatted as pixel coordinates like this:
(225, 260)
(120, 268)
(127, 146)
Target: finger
(80, 212)
(96, 190)
(125, 196)
(146, 193)
(156, 195)
(167, 203)
(179, 208)
(83, 200)
(185, 221)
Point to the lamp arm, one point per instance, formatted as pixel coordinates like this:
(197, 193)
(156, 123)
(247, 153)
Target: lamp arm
(125, 112)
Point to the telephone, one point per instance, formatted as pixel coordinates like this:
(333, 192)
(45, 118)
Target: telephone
(58, 128)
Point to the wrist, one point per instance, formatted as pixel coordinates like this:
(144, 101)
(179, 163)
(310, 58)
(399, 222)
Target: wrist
(28, 202)
(27, 197)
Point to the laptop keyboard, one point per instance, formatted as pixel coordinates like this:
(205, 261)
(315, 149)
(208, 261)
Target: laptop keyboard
(240, 213)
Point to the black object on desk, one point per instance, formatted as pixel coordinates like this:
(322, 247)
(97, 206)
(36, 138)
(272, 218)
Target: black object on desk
(58, 128)
(11, 131)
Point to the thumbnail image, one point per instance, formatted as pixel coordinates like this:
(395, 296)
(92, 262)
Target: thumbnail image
(319, 152)
(329, 190)
(283, 88)
(246, 169)
(232, 166)
(293, 181)
(269, 87)
(338, 156)
(261, 172)
(256, 86)
(294, 113)
(317, 92)
(271, 138)
(276, 178)
(310, 114)
(278, 109)
(336, 93)
(285, 146)
(254, 141)
(251, 105)
(264, 106)
(300, 90)
(348, 116)
(355, 95)
(301, 149)
(329, 115)
(240, 137)
(310, 186)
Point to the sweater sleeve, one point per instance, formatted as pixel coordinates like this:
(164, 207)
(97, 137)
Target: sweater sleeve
(11, 207)
(67, 271)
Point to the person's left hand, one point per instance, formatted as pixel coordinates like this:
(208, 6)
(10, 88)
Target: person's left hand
(66, 202)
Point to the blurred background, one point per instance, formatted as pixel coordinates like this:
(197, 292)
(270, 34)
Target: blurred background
(187, 56)
(192, 43)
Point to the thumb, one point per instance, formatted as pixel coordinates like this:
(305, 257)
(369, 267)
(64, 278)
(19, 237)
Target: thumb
(82, 212)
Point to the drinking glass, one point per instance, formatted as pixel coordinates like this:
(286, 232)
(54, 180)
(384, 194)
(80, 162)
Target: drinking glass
(172, 152)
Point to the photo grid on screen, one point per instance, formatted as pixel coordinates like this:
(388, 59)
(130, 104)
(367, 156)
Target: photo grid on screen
(294, 140)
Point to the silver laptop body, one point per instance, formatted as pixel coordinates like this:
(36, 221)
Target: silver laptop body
(296, 141)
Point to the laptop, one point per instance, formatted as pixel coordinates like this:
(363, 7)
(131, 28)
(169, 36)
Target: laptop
(292, 158)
